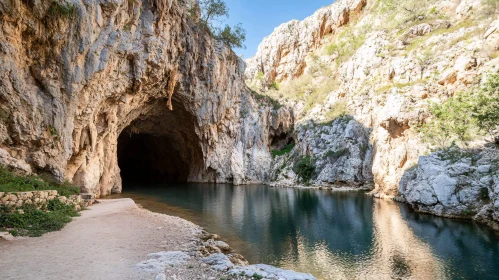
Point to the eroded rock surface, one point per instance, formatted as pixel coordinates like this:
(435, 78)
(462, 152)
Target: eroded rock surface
(455, 183)
(73, 80)
(282, 54)
(340, 156)
(384, 64)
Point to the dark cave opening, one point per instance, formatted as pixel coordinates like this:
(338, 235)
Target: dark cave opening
(161, 146)
(146, 158)
(281, 140)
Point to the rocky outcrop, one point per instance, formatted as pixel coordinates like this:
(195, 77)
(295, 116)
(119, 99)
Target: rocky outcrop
(386, 65)
(282, 54)
(455, 183)
(76, 74)
(340, 156)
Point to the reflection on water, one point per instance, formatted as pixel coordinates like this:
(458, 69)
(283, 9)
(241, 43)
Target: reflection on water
(333, 235)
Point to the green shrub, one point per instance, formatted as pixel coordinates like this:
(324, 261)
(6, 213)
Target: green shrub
(484, 193)
(260, 76)
(232, 36)
(257, 276)
(58, 9)
(464, 116)
(35, 222)
(284, 150)
(274, 85)
(454, 154)
(10, 182)
(305, 168)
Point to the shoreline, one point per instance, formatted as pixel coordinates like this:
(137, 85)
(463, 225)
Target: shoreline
(481, 217)
(117, 239)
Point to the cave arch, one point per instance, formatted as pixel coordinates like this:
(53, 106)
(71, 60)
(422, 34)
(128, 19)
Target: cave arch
(161, 146)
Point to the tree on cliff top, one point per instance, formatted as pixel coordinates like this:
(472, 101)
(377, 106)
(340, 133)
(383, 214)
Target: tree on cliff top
(212, 12)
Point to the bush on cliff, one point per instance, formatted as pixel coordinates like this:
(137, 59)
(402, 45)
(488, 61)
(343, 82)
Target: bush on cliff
(305, 168)
(464, 116)
(10, 182)
(211, 13)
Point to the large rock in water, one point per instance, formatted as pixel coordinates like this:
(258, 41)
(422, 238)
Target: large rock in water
(340, 156)
(455, 183)
(73, 79)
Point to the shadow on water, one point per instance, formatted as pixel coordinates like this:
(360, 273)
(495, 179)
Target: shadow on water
(333, 235)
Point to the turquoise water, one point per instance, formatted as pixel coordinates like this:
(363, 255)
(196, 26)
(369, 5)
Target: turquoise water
(333, 235)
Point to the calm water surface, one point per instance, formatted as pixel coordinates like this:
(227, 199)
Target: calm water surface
(333, 235)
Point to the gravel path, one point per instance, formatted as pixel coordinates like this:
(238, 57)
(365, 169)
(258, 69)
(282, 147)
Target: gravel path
(105, 242)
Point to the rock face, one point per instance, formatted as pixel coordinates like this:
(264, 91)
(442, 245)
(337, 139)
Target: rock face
(386, 64)
(455, 183)
(282, 55)
(340, 156)
(76, 75)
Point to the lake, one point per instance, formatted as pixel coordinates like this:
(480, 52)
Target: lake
(333, 235)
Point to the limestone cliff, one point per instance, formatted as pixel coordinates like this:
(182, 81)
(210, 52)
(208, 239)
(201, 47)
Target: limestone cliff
(381, 62)
(77, 74)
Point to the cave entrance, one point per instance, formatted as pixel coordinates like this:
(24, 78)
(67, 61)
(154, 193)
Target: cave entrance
(150, 158)
(160, 146)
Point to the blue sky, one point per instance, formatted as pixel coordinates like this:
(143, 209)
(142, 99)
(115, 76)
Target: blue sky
(260, 17)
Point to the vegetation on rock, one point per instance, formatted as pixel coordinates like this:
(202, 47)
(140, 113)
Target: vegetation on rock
(465, 115)
(211, 13)
(10, 182)
(28, 220)
(59, 9)
(304, 167)
(261, 99)
(284, 150)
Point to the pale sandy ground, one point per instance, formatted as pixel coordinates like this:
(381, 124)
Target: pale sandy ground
(106, 242)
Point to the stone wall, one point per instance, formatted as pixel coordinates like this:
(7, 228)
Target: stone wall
(41, 198)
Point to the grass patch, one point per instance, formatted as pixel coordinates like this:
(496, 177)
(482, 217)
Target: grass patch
(347, 43)
(10, 182)
(36, 222)
(284, 150)
(338, 110)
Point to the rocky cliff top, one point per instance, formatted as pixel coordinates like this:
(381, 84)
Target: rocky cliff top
(281, 55)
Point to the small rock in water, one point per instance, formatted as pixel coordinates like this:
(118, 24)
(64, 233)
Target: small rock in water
(222, 245)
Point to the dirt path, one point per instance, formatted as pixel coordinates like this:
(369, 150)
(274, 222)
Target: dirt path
(104, 243)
